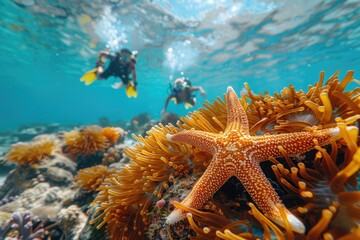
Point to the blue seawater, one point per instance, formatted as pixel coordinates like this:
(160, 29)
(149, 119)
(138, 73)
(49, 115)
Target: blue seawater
(47, 45)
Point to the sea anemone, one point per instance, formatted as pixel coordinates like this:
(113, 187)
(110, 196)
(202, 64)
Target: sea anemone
(126, 198)
(30, 153)
(319, 189)
(298, 110)
(112, 134)
(86, 141)
(91, 178)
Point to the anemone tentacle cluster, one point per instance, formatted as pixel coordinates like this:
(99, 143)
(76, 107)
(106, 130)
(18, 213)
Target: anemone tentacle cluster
(91, 139)
(325, 117)
(32, 152)
(125, 196)
(92, 177)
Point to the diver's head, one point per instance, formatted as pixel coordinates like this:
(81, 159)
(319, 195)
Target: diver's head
(124, 55)
(179, 84)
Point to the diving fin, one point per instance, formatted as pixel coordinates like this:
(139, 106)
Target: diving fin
(188, 105)
(131, 91)
(89, 77)
(174, 99)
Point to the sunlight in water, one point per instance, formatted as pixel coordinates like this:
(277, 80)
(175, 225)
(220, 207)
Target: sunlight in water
(112, 31)
(180, 56)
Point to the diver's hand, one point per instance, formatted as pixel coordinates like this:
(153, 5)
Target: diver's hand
(203, 93)
(117, 85)
(100, 69)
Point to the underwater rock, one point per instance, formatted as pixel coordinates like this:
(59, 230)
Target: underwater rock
(6, 140)
(26, 134)
(57, 168)
(72, 220)
(89, 161)
(104, 122)
(146, 127)
(40, 196)
(121, 123)
(141, 119)
(18, 180)
(60, 161)
(169, 118)
(58, 175)
(141, 123)
(114, 154)
(46, 213)
(34, 197)
(122, 134)
(4, 217)
(81, 198)
(11, 207)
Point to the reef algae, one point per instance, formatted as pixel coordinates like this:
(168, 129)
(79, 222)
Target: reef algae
(121, 192)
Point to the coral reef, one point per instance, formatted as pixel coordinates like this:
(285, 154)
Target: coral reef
(141, 119)
(111, 155)
(24, 225)
(125, 197)
(128, 199)
(104, 122)
(141, 123)
(113, 134)
(72, 220)
(91, 178)
(169, 118)
(32, 152)
(133, 192)
(86, 141)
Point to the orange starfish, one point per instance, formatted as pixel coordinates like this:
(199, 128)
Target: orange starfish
(236, 153)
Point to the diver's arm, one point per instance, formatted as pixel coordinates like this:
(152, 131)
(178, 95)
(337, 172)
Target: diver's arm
(100, 63)
(133, 72)
(198, 88)
(167, 102)
(103, 55)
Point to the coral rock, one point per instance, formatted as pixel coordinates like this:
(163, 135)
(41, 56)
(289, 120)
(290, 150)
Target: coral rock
(72, 220)
(58, 175)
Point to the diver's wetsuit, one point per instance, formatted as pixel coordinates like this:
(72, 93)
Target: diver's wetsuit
(190, 98)
(117, 68)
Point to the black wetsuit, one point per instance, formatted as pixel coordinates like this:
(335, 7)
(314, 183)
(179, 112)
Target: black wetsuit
(117, 68)
(190, 98)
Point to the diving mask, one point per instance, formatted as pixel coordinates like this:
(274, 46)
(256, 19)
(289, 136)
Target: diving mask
(125, 56)
(179, 86)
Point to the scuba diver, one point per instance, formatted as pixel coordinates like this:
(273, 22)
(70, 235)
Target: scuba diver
(121, 65)
(183, 92)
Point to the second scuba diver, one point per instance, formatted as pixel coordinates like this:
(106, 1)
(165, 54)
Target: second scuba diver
(183, 92)
(121, 65)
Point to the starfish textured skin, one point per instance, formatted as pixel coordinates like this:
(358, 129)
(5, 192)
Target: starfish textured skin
(237, 153)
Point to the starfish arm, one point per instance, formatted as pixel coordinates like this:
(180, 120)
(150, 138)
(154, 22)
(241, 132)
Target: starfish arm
(203, 140)
(213, 178)
(264, 195)
(236, 115)
(293, 143)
